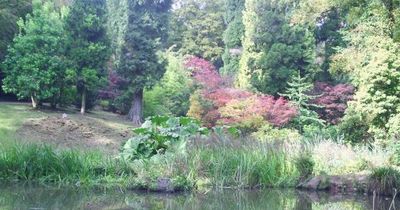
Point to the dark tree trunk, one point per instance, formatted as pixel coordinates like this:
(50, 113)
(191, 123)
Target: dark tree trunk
(83, 103)
(136, 112)
(53, 103)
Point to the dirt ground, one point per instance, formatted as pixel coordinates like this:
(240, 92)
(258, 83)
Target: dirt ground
(99, 131)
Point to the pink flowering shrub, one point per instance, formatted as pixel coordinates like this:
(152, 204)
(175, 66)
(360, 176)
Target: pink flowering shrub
(221, 104)
(333, 99)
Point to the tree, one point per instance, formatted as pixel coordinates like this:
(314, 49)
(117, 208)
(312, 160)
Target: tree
(215, 102)
(298, 93)
(34, 66)
(88, 46)
(11, 11)
(233, 36)
(171, 95)
(140, 62)
(371, 59)
(333, 100)
(274, 49)
(197, 29)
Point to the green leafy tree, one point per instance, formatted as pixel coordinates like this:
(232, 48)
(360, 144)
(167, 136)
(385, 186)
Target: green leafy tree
(197, 28)
(10, 13)
(298, 92)
(140, 62)
(233, 36)
(274, 49)
(171, 95)
(88, 46)
(371, 58)
(34, 66)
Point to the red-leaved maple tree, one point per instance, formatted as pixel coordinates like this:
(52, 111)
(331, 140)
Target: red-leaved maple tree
(228, 105)
(333, 100)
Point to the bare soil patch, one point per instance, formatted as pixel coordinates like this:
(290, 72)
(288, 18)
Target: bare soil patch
(92, 132)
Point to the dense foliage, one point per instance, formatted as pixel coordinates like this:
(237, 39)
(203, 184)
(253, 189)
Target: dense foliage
(323, 67)
(221, 104)
(158, 135)
(140, 63)
(34, 67)
(233, 36)
(196, 29)
(274, 50)
(87, 47)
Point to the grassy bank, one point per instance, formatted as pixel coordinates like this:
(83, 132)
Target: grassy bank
(201, 166)
(215, 161)
(44, 164)
(197, 168)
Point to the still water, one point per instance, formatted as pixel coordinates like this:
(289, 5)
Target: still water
(37, 198)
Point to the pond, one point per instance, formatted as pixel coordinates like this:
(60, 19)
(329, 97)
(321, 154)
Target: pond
(36, 198)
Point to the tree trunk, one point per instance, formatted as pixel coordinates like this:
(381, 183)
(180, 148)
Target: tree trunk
(136, 112)
(53, 103)
(83, 104)
(34, 101)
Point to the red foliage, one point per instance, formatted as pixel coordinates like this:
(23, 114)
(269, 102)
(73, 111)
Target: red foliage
(224, 95)
(111, 90)
(278, 112)
(231, 105)
(333, 99)
(204, 72)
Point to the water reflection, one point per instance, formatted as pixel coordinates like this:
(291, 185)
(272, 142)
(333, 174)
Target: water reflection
(35, 197)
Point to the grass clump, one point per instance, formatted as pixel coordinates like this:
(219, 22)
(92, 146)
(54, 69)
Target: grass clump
(45, 165)
(249, 166)
(384, 180)
(305, 165)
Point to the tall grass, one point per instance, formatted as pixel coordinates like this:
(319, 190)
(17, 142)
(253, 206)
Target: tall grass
(44, 164)
(245, 167)
(241, 165)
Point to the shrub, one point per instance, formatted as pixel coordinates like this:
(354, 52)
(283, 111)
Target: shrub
(328, 132)
(105, 105)
(204, 72)
(158, 134)
(217, 103)
(355, 128)
(171, 95)
(384, 180)
(305, 165)
(333, 100)
(269, 133)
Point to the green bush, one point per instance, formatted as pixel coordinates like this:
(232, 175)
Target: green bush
(327, 132)
(105, 105)
(305, 165)
(249, 125)
(269, 133)
(158, 134)
(171, 95)
(355, 128)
